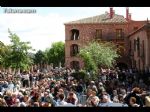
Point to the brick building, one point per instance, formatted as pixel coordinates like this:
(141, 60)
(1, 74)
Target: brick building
(140, 47)
(108, 26)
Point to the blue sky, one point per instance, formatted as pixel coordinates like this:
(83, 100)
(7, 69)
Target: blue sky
(47, 25)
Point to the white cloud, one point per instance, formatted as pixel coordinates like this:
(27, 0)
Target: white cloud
(42, 30)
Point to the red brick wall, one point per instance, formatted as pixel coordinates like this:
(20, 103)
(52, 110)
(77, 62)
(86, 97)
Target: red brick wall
(87, 33)
(131, 26)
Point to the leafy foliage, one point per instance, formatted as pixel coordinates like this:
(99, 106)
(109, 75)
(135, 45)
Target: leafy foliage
(99, 54)
(56, 54)
(16, 54)
(40, 57)
(4, 53)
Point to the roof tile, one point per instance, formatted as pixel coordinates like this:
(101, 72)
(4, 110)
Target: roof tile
(104, 18)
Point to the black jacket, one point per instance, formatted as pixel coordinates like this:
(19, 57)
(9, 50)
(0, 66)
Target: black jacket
(138, 99)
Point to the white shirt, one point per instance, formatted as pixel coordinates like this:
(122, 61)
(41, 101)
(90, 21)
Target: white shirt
(61, 102)
(26, 77)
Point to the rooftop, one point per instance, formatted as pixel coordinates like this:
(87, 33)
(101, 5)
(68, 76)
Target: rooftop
(103, 18)
(146, 26)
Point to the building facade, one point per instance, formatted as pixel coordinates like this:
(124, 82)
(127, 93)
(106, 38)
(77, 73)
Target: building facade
(140, 48)
(108, 27)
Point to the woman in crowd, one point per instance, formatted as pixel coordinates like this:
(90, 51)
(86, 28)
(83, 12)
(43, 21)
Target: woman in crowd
(133, 103)
(44, 90)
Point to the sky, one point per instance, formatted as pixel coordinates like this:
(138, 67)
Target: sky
(47, 25)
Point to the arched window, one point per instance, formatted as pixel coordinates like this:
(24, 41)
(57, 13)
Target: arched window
(74, 50)
(74, 34)
(75, 65)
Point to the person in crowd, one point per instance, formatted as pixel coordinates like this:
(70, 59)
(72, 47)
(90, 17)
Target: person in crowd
(14, 98)
(26, 79)
(101, 88)
(123, 92)
(114, 96)
(105, 101)
(135, 93)
(35, 98)
(133, 103)
(121, 98)
(3, 103)
(71, 98)
(8, 98)
(61, 100)
(11, 85)
(55, 88)
(92, 86)
(92, 100)
(16, 103)
(31, 79)
(79, 88)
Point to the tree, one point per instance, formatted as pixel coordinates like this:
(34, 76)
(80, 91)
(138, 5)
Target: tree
(5, 52)
(40, 58)
(2, 51)
(99, 54)
(56, 54)
(19, 58)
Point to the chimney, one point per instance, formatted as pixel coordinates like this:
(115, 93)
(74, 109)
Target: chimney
(127, 13)
(111, 12)
(129, 18)
(147, 20)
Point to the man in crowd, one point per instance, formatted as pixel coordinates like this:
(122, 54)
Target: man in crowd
(41, 90)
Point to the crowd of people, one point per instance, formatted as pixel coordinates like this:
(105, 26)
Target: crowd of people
(56, 88)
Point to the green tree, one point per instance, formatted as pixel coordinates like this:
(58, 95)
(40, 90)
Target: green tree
(99, 54)
(40, 58)
(19, 57)
(56, 54)
(5, 52)
(2, 51)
